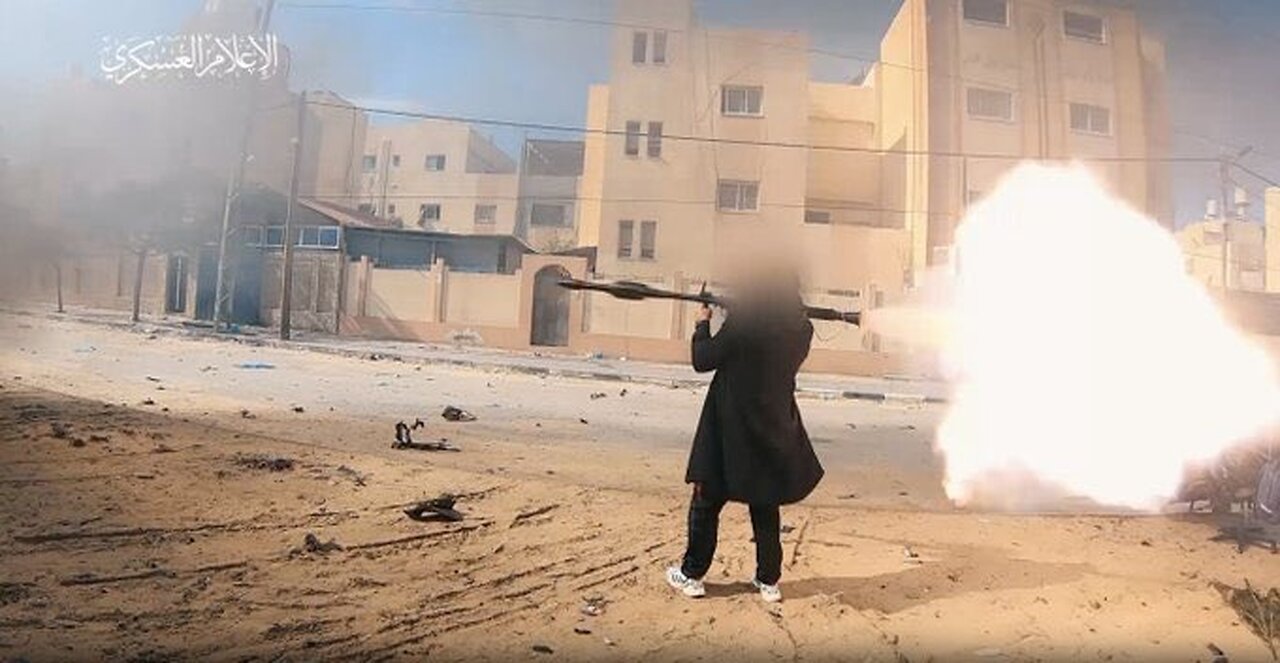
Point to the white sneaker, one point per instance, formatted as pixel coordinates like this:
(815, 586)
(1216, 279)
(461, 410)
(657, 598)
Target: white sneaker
(769, 593)
(688, 586)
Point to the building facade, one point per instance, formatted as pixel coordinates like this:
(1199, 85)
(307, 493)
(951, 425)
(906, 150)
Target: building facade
(439, 176)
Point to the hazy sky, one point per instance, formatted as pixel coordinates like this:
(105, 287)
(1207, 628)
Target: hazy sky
(1224, 58)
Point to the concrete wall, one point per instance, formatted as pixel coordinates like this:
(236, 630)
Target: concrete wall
(483, 299)
(1201, 244)
(98, 279)
(1272, 246)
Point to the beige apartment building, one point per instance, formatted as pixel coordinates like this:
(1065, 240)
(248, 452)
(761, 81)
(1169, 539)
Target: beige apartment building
(875, 199)
(440, 176)
(1036, 79)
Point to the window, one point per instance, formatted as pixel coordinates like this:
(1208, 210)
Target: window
(1090, 119)
(428, 212)
(741, 100)
(736, 196)
(633, 139)
(486, 215)
(370, 163)
(655, 140)
(990, 12)
(817, 216)
(990, 104)
(544, 214)
(660, 47)
(626, 235)
(639, 47)
(395, 161)
(367, 208)
(1084, 26)
(435, 162)
(274, 236)
(328, 237)
(252, 235)
(391, 210)
(648, 238)
(308, 236)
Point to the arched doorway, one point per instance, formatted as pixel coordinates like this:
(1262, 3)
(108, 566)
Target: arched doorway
(550, 308)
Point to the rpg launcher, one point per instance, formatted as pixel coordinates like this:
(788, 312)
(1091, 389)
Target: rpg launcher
(632, 291)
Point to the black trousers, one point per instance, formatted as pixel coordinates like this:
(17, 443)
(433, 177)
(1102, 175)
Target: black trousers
(704, 528)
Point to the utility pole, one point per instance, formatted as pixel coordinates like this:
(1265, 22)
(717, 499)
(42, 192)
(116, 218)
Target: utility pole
(286, 287)
(235, 180)
(1224, 179)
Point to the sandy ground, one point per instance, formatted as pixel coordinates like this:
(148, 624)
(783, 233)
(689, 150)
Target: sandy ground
(136, 526)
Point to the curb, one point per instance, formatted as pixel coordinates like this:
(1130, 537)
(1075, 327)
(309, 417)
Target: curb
(539, 371)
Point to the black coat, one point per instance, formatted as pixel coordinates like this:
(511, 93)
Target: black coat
(751, 446)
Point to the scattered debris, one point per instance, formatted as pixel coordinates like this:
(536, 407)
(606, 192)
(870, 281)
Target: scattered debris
(440, 508)
(582, 421)
(148, 402)
(84, 349)
(452, 413)
(543, 649)
(311, 544)
(404, 439)
(787, 529)
(356, 477)
(299, 409)
(1260, 611)
(59, 430)
(206, 369)
(151, 378)
(77, 442)
(245, 414)
(598, 395)
(593, 606)
(910, 556)
(1146, 543)
(622, 394)
(526, 515)
(12, 592)
(263, 462)
(848, 496)
(256, 365)
(852, 426)
(1219, 656)
(582, 630)
(163, 449)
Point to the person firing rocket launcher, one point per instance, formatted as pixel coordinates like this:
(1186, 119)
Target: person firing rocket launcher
(633, 291)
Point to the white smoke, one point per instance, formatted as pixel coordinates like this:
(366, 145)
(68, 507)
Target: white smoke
(1085, 361)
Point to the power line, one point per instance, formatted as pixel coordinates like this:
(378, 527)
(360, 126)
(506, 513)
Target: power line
(1266, 180)
(562, 128)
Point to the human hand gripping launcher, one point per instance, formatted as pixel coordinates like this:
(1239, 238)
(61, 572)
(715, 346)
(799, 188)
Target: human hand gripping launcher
(630, 290)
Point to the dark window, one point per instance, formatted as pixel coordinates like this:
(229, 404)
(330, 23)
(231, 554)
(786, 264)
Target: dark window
(818, 216)
(486, 215)
(308, 236)
(626, 235)
(639, 47)
(329, 238)
(428, 212)
(1084, 26)
(655, 140)
(991, 12)
(633, 139)
(370, 163)
(736, 196)
(648, 239)
(546, 214)
(391, 210)
(274, 236)
(435, 162)
(660, 47)
(395, 161)
(741, 100)
(989, 104)
(1090, 119)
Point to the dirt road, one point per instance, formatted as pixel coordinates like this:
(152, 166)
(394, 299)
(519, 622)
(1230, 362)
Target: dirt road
(135, 533)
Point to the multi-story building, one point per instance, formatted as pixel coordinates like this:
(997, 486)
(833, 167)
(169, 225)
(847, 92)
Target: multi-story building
(696, 159)
(550, 173)
(438, 175)
(697, 145)
(1033, 79)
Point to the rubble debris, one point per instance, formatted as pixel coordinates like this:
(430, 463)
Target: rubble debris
(457, 414)
(622, 394)
(13, 592)
(526, 515)
(59, 430)
(582, 421)
(356, 478)
(264, 462)
(245, 414)
(582, 630)
(77, 442)
(598, 395)
(404, 439)
(256, 365)
(311, 544)
(439, 508)
(848, 496)
(1219, 656)
(543, 649)
(1261, 612)
(593, 606)
(910, 556)
(148, 401)
(299, 409)
(163, 449)
(152, 378)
